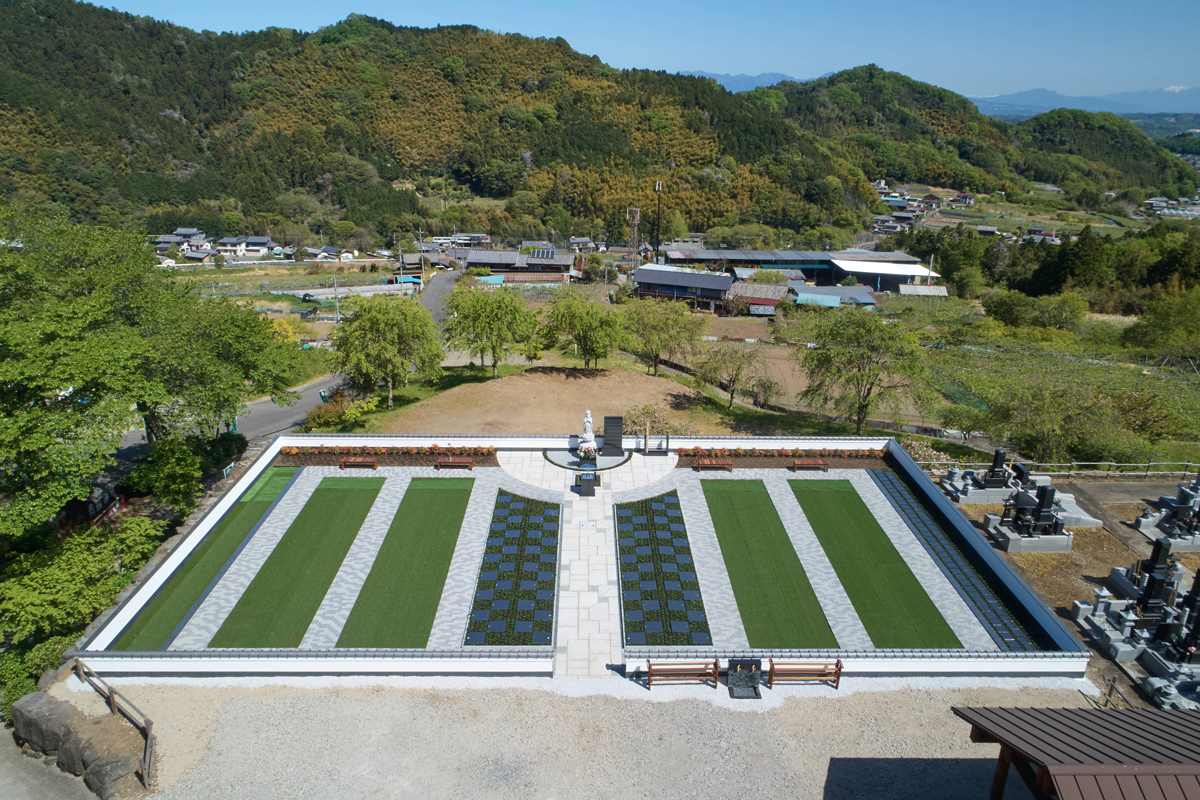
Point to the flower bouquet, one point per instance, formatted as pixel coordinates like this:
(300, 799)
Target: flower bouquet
(587, 452)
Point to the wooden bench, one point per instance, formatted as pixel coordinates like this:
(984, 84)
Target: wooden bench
(715, 463)
(681, 671)
(360, 461)
(804, 672)
(456, 461)
(809, 463)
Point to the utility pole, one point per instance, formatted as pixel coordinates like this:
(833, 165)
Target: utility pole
(633, 215)
(658, 220)
(337, 303)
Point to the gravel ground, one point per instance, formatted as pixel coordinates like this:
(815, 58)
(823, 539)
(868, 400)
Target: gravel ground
(875, 738)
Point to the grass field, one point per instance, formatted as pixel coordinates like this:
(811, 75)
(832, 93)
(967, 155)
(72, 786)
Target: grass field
(281, 601)
(163, 614)
(775, 599)
(400, 597)
(888, 598)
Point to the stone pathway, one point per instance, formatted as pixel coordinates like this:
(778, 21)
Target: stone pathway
(216, 607)
(326, 627)
(588, 627)
(720, 606)
(588, 619)
(949, 602)
(835, 603)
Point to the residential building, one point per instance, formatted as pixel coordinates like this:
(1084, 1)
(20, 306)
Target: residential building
(705, 290)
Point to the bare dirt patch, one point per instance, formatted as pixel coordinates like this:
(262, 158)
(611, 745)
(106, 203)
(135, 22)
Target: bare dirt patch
(1062, 578)
(740, 328)
(545, 400)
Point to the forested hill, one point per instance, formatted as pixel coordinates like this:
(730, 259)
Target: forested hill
(128, 121)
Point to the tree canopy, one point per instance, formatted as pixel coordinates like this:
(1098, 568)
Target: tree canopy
(93, 336)
(488, 321)
(384, 339)
(861, 364)
(594, 329)
(657, 328)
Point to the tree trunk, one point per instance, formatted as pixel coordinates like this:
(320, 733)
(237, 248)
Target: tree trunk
(656, 367)
(731, 391)
(389, 391)
(859, 420)
(495, 366)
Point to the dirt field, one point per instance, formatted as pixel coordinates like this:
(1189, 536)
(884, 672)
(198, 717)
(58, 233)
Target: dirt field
(1062, 578)
(740, 328)
(541, 400)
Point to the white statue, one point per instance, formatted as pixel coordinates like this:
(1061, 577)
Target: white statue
(588, 437)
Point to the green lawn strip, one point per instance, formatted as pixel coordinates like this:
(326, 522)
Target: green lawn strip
(280, 603)
(778, 606)
(400, 597)
(163, 614)
(888, 598)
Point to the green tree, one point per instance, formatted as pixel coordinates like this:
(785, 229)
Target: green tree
(172, 473)
(770, 276)
(1066, 311)
(861, 364)
(1170, 327)
(728, 364)
(674, 226)
(592, 328)
(453, 68)
(48, 596)
(93, 335)
(488, 321)
(596, 269)
(384, 339)
(558, 219)
(658, 327)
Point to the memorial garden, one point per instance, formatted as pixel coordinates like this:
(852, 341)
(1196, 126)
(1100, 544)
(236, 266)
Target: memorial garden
(517, 563)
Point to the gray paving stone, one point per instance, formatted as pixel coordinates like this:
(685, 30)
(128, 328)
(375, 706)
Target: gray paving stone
(724, 618)
(948, 601)
(835, 603)
(327, 624)
(215, 608)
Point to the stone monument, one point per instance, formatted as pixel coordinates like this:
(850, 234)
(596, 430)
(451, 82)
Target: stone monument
(587, 437)
(1178, 519)
(587, 441)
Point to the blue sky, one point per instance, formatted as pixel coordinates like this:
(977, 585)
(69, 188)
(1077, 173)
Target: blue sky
(1070, 46)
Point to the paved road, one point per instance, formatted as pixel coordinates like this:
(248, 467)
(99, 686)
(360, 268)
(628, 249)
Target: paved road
(434, 295)
(29, 779)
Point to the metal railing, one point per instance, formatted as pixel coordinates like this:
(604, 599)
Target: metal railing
(119, 704)
(1077, 468)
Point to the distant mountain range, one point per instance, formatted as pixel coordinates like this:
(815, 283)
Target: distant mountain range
(744, 83)
(1170, 100)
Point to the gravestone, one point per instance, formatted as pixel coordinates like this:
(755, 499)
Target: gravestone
(587, 484)
(613, 435)
(743, 678)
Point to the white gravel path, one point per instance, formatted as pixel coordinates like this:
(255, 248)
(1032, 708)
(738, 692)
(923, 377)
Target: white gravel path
(438, 737)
